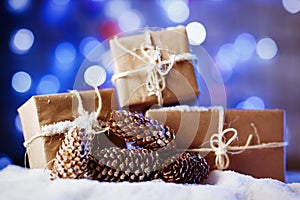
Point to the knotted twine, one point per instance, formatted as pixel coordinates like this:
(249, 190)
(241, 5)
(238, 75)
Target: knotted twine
(221, 147)
(155, 67)
(84, 120)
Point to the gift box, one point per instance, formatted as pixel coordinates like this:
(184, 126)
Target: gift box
(192, 125)
(44, 110)
(139, 62)
(257, 149)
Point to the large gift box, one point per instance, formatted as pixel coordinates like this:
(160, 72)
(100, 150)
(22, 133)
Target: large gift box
(247, 141)
(155, 67)
(41, 111)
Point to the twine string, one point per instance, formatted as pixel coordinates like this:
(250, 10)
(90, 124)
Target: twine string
(221, 146)
(155, 67)
(68, 124)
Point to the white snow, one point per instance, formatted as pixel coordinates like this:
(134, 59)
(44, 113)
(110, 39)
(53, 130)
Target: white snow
(183, 108)
(86, 121)
(20, 183)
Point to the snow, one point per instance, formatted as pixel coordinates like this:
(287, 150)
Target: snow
(187, 108)
(20, 183)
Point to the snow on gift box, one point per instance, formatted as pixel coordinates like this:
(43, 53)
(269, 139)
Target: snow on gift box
(246, 141)
(40, 112)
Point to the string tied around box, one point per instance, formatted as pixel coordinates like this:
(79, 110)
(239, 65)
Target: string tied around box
(222, 147)
(156, 67)
(84, 120)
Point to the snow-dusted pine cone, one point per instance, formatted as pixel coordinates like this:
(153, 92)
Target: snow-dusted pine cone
(139, 131)
(117, 165)
(71, 158)
(188, 167)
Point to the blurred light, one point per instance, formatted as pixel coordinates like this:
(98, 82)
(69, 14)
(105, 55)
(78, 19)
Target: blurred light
(292, 6)
(130, 145)
(107, 61)
(177, 11)
(18, 5)
(196, 33)
(91, 48)
(61, 2)
(65, 53)
(225, 69)
(21, 82)
(227, 56)
(21, 41)
(114, 9)
(266, 48)
(130, 20)
(18, 123)
(48, 84)
(95, 75)
(108, 28)
(245, 44)
(253, 102)
(5, 161)
(54, 11)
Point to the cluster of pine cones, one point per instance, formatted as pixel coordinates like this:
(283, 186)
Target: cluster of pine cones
(150, 154)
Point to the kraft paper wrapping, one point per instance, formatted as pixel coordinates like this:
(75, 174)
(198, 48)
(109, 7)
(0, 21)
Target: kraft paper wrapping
(192, 128)
(267, 126)
(181, 81)
(44, 110)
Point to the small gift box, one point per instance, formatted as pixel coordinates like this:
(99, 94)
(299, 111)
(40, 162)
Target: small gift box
(153, 68)
(246, 141)
(41, 111)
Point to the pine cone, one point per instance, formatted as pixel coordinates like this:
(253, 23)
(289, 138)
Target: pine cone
(117, 165)
(139, 131)
(71, 159)
(188, 167)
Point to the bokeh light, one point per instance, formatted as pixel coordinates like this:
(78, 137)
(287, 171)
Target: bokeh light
(108, 28)
(95, 75)
(61, 2)
(291, 6)
(5, 161)
(65, 53)
(266, 48)
(55, 11)
(91, 48)
(254, 102)
(21, 41)
(130, 20)
(107, 62)
(21, 82)
(177, 11)
(245, 44)
(18, 123)
(196, 33)
(18, 5)
(227, 56)
(48, 84)
(115, 8)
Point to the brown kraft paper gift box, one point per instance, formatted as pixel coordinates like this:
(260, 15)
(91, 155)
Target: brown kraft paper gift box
(192, 127)
(44, 110)
(181, 84)
(266, 126)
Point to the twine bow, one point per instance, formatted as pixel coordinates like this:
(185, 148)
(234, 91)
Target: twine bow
(221, 146)
(84, 120)
(155, 67)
